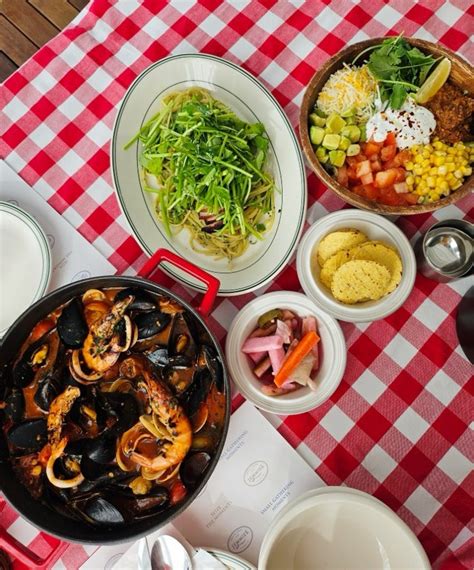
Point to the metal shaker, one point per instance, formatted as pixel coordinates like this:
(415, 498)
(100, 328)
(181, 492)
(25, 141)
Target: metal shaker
(446, 251)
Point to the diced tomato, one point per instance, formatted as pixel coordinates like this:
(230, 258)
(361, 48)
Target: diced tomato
(359, 190)
(371, 148)
(402, 158)
(367, 178)
(385, 178)
(388, 152)
(401, 187)
(376, 166)
(390, 140)
(410, 198)
(352, 174)
(390, 197)
(371, 192)
(363, 168)
(351, 160)
(41, 329)
(342, 176)
(361, 157)
(401, 175)
(177, 492)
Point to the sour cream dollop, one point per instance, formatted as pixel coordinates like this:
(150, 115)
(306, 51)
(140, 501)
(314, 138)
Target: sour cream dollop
(412, 124)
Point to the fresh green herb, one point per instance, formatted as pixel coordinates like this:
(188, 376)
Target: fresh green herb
(399, 68)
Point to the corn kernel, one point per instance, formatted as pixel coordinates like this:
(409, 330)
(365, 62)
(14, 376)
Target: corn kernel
(409, 165)
(410, 180)
(458, 174)
(431, 181)
(467, 171)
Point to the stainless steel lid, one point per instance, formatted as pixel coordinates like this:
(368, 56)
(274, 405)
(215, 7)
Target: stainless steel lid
(449, 251)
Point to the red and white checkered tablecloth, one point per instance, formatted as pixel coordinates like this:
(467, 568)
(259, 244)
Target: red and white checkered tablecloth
(398, 426)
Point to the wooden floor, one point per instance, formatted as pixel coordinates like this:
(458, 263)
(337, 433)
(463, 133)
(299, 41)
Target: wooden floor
(25, 25)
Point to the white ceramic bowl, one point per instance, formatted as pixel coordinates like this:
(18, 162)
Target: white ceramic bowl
(332, 354)
(376, 228)
(251, 101)
(338, 527)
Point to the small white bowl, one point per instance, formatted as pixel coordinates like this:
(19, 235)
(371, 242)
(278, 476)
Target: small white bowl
(376, 228)
(332, 354)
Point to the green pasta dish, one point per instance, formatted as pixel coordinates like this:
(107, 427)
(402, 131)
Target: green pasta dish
(207, 168)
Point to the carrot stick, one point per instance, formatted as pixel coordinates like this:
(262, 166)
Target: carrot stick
(302, 349)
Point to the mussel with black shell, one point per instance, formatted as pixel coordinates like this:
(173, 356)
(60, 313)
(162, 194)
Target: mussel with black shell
(114, 407)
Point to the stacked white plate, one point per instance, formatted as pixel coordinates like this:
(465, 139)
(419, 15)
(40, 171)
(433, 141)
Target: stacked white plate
(25, 262)
(340, 528)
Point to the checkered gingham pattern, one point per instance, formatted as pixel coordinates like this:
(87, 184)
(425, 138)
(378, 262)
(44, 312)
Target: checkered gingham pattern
(398, 425)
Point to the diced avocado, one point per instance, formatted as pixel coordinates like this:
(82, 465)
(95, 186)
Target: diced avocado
(335, 123)
(320, 113)
(353, 150)
(351, 120)
(316, 120)
(363, 134)
(352, 132)
(337, 157)
(322, 155)
(348, 113)
(316, 134)
(344, 143)
(331, 142)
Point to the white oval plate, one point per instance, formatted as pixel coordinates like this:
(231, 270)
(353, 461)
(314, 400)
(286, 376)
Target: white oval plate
(338, 527)
(376, 228)
(25, 259)
(333, 354)
(251, 101)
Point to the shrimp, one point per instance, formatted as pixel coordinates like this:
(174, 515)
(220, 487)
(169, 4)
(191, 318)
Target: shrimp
(58, 410)
(101, 349)
(170, 450)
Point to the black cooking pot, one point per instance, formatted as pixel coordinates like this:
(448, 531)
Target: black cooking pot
(38, 513)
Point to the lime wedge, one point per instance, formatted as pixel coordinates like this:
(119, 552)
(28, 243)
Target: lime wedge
(436, 79)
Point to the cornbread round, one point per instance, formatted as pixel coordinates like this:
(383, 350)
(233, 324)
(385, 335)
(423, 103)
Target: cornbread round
(335, 241)
(359, 280)
(332, 265)
(383, 254)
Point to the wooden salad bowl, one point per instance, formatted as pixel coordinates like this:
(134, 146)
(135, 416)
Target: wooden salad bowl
(462, 75)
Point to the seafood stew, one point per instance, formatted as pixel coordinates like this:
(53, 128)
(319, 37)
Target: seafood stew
(113, 411)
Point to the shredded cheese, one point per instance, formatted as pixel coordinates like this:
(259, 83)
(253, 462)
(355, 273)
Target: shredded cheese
(348, 89)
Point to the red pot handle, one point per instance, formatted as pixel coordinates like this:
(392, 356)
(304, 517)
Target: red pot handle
(212, 282)
(23, 554)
